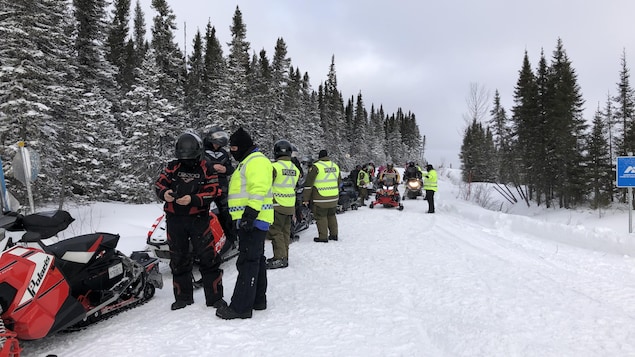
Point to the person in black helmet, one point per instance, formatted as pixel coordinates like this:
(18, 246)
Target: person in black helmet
(285, 179)
(215, 141)
(188, 185)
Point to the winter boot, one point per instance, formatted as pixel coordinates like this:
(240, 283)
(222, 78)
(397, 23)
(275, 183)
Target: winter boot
(316, 239)
(333, 237)
(278, 263)
(227, 313)
(179, 304)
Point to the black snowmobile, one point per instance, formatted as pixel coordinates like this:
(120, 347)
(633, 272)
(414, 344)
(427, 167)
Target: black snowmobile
(348, 196)
(303, 216)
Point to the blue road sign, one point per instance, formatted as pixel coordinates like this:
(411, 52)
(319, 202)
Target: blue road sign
(625, 171)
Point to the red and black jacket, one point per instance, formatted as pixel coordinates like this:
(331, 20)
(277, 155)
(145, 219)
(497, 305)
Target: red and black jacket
(200, 181)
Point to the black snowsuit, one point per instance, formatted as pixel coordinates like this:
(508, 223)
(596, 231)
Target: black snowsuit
(190, 225)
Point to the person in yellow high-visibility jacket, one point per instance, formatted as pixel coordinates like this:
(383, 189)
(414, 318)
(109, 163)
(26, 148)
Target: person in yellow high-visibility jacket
(322, 188)
(430, 186)
(250, 202)
(285, 179)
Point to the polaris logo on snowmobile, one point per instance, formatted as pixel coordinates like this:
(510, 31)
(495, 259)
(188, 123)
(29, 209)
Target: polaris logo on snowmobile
(36, 281)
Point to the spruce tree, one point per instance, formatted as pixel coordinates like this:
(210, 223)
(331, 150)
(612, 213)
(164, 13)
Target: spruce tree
(116, 41)
(565, 131)
(332, 115)
(38, 90)
(215, 81)
(625, 108)
(195, 95)
(238, 111)
(599, 163)
(525, 112)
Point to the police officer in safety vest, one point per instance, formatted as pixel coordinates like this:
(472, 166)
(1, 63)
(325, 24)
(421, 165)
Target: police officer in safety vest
(430, 186)
(322, 188)
(250, 204)
(285, 178)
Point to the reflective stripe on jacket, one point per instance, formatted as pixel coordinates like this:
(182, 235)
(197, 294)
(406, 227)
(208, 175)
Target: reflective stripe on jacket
(430, 183)
(322, 183)
(326, 179)
(284, 184)
(363, 178)
(250, 185)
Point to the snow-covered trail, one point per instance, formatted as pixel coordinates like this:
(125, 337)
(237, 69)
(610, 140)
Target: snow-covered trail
(461, 282)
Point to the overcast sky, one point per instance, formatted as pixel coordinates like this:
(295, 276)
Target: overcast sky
(422, 56)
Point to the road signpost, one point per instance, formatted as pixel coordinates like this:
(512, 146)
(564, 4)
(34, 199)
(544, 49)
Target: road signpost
(625, 177)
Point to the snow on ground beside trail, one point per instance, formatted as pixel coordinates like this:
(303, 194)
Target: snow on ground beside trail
(464, 281)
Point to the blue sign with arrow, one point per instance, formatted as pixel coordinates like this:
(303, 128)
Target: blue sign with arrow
(625, 171)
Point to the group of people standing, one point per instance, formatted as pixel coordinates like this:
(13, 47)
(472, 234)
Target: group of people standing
(256, 201)
(363, 177)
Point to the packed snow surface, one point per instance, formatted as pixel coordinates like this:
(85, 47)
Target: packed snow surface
(465, 281)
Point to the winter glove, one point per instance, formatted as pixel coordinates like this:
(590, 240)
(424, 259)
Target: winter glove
(248, 218)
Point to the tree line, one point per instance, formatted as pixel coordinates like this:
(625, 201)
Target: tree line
(546, 148)
(103, 105)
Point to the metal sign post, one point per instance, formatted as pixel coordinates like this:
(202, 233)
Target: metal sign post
(625, 172)
(26, 166)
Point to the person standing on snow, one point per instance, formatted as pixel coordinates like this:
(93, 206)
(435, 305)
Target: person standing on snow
(251, 207)
(214, 142)
(430, 186)
(363, 181)
(322, 188)
(188, 185)
(285, 179)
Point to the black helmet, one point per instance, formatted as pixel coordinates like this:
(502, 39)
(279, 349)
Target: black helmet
(282, 148)
(217, 136)
(189, 146)
(411, 164)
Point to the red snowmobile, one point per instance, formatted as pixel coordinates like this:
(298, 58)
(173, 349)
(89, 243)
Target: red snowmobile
(68, 285)
(388, 196)
(157, 240)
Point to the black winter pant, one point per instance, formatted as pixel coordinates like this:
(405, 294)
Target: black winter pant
(430, 199)
(251, 284)
(190, 236)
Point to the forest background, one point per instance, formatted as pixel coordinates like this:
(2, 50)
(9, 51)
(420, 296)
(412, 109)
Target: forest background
(546, 149)
(104, 106)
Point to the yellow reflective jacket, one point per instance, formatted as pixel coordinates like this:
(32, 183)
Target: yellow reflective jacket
(286, 176)
(430, 182)
(250, 185)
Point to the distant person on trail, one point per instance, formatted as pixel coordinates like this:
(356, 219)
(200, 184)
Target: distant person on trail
(430, 186)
